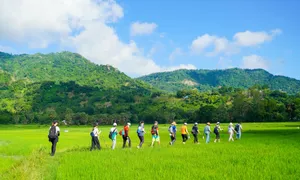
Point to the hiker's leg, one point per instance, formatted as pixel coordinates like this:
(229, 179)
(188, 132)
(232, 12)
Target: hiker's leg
(93, 144)
(54, 146)
(182, 135)
(129, 141)
(114, 143)
(124, 141)
(97, 143)
(142, 141)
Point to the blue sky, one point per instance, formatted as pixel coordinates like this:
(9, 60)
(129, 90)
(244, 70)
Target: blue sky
(142, 37)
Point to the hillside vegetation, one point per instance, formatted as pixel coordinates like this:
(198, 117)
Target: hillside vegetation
(40, 88)
(205, 80)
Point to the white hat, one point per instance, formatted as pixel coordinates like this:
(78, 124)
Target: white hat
(185, 123)
(196, 123)
(230, 124)
(114, 124)
(218, 122)
(129, 124)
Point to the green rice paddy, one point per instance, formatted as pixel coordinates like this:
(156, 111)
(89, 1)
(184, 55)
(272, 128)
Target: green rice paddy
(266, 151)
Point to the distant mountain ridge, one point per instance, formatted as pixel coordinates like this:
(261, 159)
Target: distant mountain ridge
(210, 79)
(64, 67)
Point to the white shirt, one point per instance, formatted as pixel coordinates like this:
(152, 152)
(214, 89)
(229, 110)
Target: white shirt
(96, 132)
(230, 129)
(113, 129)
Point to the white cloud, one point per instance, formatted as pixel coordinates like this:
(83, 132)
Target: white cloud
(145, 28)
(82, 25)
(254, 62)
(181, 66)
(177, 52)
(249, 38)
(222, 45)
(202, 42)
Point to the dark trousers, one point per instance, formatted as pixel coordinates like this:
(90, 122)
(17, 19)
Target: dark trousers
(95, 143)
(53, 147)
(141, 141)
(184, 137)
(195, 138)
(125, 138)
(173, 139)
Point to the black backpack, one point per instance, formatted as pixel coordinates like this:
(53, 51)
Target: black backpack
(237, 128)
(111, 133)
(52, 132)
(216, 130)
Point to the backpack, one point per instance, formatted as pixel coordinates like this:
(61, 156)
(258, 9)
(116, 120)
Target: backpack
(216, 130)
(153, 130)
(193, 130)
(237, 128)
(171, 129)
(52, 132)
(138, 130)
(111, 134)
(92, 133)
(122, 132)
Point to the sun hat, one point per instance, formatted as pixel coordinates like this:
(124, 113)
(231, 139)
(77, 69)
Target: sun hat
(208, 123)
(185, 123)
(114, 124)
(129, 124)
(218, 122)
(230, 124)
(196, 123)
(173, 123)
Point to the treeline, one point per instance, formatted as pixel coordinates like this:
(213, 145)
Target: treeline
(24, 103)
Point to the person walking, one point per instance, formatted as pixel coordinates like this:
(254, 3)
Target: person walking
(141, 133)
(125, 135)
(231, 132)
(155, 134)
(172, 131)
(207, 132)
(238, 128)
(184, 133)
(113, 135)
(54, 133)
(95, 138)
(217, 130)
(195, 132)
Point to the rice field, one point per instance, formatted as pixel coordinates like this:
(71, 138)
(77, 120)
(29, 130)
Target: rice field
(266, 151)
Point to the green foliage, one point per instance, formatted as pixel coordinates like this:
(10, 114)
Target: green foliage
(207, 80)
(64, 86)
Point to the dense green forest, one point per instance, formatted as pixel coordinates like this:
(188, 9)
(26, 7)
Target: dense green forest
(207, 80)
(40, 88)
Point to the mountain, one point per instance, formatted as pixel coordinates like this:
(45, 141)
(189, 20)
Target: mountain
(205, 80)
(64, 67)
(40, 88)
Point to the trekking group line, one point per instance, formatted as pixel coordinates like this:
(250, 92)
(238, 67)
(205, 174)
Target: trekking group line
(54, 133)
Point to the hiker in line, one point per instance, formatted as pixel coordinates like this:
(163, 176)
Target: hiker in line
(172, 131)
(113, 135)
(155, 134)
(207, 132)
(54, 132)
(95, 137)
(184, 133)
(231, 132)
(125, 135)
(217, 130)
(140, 133)
(238, 128)
(195, 132)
